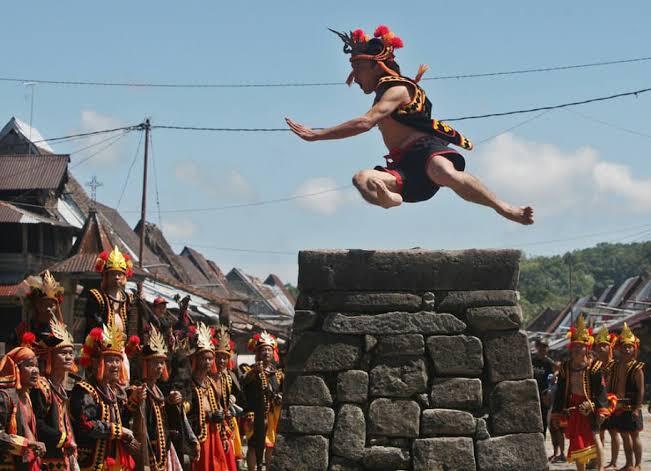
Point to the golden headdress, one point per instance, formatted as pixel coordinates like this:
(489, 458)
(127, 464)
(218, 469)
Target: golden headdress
(262, 339)
(43, 286)
(223, 341)
(107, 340)
(626, 337)
(202, 339)
(59, 337)
(603, 336)
(115, 260)
(579, 333)
(156, 347)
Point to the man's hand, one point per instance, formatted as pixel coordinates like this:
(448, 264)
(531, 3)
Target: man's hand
(139, 394)
(305, 133)
(127, 435)
(38, 448)
(174, 398)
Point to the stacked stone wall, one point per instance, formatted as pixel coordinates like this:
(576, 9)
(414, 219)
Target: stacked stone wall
(409, 360)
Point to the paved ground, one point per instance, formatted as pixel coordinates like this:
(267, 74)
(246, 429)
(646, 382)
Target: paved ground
(646, 443)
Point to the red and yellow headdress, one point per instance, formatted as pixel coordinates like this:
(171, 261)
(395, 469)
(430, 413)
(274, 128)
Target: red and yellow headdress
(115, 260)
(603, 336)
(263, 339)
(60, 337)
(107, 340)
(626, 337)
(579, 334)
(380, 49)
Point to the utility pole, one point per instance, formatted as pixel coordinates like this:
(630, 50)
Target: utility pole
(143, 208)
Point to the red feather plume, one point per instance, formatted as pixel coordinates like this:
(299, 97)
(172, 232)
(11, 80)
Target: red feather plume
(381, 31)
(396, 42)
(28, 339)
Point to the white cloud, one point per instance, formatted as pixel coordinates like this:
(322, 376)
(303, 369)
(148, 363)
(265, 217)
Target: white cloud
(179, 230)
(555, 181)
(323, 200)
(226, 183)
(93, 121)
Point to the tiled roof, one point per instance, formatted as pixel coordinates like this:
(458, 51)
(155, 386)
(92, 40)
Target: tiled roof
(10, 213)
(32, 172)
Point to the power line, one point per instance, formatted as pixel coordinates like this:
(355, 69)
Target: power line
(253, 203)
(92, 133)
(553, 107)
(462, 118)
(611, 125)
(314, 84)
(153, 161)
(126, 181)
(115, 140)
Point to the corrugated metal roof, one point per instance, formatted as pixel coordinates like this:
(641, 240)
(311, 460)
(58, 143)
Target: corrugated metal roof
(32, 172)
(28, 132)
(10, 213)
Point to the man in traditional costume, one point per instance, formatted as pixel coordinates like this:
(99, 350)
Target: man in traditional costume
(263, 385)
(603, 347)
(581, 402)
(627, 382)
(20, 448)
(419, 161)
(104, 443)
(111, 304)
(42, 296)
(206, 414)
(50, 399)
(229, 391)
(162, 455)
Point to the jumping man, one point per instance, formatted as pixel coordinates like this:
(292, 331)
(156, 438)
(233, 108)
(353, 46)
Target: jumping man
(419, 161)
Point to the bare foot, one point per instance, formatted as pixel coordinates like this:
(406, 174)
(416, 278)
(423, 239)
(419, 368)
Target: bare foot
(611, 465)
(386, 198)
(519, 214)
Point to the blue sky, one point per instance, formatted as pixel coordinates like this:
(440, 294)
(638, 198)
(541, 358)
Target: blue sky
(581, 176)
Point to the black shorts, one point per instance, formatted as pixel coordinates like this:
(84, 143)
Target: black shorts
(409, 166)
(626, 422)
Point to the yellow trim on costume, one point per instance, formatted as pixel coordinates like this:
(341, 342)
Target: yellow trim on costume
(63, 438)
(584, 455)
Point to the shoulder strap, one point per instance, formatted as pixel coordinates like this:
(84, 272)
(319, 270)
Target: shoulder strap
(98, 297)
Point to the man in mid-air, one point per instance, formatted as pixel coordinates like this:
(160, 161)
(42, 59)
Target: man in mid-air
(419, 160)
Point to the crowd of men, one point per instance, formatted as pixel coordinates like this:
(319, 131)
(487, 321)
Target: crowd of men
(169, 398)
(599, 388)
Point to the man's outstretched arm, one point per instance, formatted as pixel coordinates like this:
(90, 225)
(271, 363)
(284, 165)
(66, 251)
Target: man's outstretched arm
(390, 101)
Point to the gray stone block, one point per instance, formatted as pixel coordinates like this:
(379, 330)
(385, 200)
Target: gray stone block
(352, 386)
(396, 345)
(307, 420)
(319, 352)
(300, 452)
(507, 356)
(515, 408)
(456, 393)
(349, 437)
(392, 323)
(356, 301)
(370, 343)
(444, 454)
(341, 464)
(512, 453)
(304, 320)
(446, 423)
(484, 319)
(481, 433)
(382, 458)
(456, 355)
(394, 418)
(398, 377)
(307, 391)
(459, 301)
(414, 270)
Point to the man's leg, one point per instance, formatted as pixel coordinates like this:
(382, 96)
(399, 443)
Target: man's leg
(442, 172)
(378, 188)
(250, 459)
(628, 451)
(637, 448)
(600, 451)
(614, 448)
